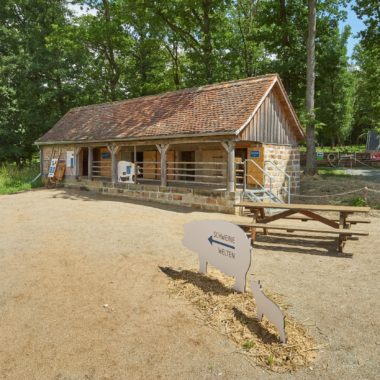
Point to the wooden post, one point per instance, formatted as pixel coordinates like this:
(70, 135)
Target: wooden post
(230, 148)
(90, 160)
(42, 162)
(135, 160)
(162, 148)
(114, 149)
(77, 163)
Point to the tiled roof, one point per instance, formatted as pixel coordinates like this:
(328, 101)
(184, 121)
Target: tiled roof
(213, 109)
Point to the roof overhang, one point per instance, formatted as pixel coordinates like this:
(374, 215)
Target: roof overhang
(220, 136)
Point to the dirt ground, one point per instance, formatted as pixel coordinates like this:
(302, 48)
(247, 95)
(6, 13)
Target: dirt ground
(82, 295)
(322, 189)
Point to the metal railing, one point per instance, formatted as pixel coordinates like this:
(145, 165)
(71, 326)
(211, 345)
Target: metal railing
(286, 189)
(264, 186)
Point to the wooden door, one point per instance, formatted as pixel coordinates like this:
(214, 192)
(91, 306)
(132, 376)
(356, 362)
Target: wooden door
(255, 176)
(150, 164)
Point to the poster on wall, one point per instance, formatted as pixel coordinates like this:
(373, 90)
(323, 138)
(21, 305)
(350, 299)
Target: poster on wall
(70, 159)
(52, 167)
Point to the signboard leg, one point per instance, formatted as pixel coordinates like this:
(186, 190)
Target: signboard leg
(202, 265)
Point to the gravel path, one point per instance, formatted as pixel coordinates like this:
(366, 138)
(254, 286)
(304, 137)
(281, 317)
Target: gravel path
(82, 295)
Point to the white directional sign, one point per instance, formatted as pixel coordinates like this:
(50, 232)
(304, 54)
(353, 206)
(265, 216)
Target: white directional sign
(221, 244)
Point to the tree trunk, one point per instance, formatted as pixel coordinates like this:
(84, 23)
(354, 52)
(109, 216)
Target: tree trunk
(311, 162)
(207, 41)
(286, 44)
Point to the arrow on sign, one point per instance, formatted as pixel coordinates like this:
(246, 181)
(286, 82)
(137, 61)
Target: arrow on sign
(211, 240)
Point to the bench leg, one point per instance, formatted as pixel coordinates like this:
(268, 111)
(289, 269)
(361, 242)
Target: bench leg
(343, 220)
(262, 216)
(253, 235)
(341, 243)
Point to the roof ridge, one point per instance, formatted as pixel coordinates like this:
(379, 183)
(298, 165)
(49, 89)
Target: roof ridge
(207, 87)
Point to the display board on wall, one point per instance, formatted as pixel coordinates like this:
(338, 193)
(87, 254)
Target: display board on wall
(70, 159)
(52, 167)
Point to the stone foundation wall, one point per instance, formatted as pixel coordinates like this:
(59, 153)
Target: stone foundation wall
(288, 159)
(197, 199)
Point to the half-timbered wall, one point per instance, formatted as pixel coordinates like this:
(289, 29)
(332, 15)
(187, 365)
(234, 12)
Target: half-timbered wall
(270, 124)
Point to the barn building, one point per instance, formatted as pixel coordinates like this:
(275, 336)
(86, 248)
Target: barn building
(204, 147)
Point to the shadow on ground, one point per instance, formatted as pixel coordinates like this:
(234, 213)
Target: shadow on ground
(309, 245)
(206, 284)
(90, 196)
(212, 286)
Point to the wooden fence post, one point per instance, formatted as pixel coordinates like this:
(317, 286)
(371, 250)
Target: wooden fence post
(114, 149)
(230, 148)
(90, 161)
(162, 148)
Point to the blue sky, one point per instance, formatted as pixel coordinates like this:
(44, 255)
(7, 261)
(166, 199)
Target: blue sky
(356, 26)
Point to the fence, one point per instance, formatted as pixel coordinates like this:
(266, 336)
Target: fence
(102, 169)
(343, 159)
(187, 173)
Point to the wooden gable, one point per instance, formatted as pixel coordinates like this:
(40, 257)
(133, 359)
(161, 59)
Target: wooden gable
(274, 121)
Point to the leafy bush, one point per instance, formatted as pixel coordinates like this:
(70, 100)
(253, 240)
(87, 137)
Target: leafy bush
(14, 179)
(358, 202)
(347, 149)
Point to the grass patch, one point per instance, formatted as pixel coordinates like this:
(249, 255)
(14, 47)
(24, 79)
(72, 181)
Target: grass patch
(14, 179)
(348, 149)
(330, 172)
(358, 202)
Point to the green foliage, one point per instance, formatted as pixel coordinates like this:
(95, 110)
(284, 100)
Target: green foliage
(358, 202)
(248, 344)
(339, 148)
(330, 172)
(14, 179)
(367, 73)
(270, 360)
(334, 89)
(52, 59)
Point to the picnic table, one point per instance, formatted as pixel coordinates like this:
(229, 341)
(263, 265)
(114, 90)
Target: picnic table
(309, 212)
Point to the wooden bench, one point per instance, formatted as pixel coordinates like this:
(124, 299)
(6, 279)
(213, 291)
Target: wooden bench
(343, 234)
(306, 219)
(308, 211)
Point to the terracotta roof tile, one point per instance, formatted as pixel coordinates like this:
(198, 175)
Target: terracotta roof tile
(217, 108)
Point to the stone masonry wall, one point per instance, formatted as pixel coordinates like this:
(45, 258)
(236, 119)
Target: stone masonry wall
(197, 199)
(288, 159)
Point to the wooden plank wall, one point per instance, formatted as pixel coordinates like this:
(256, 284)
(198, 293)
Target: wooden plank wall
(270, 124)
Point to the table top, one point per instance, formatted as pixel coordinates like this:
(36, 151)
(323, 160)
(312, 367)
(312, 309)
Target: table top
(301, 206)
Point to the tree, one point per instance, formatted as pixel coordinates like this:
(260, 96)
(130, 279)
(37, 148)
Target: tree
(311, 164)
(334, 88)
(367, 71)
(31, 86)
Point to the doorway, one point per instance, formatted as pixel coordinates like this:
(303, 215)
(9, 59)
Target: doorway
(84, 153)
